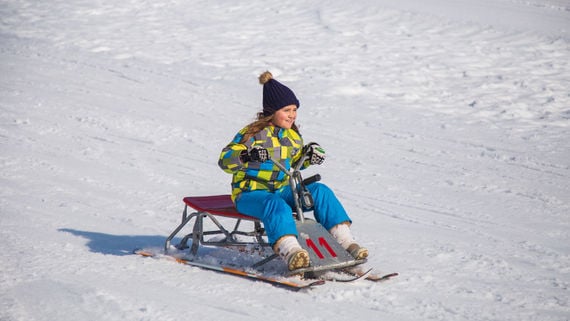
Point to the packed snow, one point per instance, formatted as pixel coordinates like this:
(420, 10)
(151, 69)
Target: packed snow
(446, 125)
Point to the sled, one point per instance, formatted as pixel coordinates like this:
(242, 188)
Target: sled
(203, 216)
(325, 253)
(212, 225)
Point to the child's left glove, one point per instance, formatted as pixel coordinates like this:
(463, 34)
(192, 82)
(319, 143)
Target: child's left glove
(315, 153)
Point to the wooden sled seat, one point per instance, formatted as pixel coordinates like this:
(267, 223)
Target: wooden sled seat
(221, 205)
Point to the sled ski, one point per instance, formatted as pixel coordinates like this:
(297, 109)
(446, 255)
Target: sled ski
(338, 276)
(291, 283)
(368, 274)
(381, 277)
(352, 274)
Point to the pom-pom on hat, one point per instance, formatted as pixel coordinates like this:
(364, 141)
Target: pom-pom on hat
(275, 94)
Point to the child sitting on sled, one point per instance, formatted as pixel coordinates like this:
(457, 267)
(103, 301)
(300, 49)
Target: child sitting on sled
(260, 189)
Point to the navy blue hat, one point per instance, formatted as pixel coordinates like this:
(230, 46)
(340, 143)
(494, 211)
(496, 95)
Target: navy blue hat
(275, 94)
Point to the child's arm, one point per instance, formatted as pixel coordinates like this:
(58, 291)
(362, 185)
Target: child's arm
(230, 160)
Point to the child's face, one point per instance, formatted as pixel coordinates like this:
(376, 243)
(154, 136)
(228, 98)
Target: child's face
(285, 117)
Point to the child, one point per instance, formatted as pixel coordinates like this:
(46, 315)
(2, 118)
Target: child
(261, 190)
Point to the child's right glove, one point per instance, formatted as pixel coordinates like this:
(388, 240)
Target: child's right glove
(256, 154)
(315, 153)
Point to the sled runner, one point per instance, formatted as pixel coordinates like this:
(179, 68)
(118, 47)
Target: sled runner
(214, 222)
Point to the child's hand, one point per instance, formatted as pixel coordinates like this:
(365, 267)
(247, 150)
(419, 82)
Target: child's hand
(315, 153)
(258, 154)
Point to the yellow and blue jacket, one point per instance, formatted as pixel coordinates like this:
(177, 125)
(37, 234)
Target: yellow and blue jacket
(284, 145)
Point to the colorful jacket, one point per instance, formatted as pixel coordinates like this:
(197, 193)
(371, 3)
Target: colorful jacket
(284, 145)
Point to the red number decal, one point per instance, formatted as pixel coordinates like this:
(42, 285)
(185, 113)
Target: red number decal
(323, 243)
(312, 245)
(326, 245)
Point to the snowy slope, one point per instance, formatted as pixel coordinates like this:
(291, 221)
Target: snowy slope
(453, 158)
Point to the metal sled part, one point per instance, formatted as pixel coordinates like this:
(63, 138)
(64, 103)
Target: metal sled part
(207, 208)
(324, 251)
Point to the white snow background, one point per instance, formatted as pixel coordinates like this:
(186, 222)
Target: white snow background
(446, 125)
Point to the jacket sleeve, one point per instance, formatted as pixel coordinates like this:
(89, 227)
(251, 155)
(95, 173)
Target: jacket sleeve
(297, 156)
(229, 159)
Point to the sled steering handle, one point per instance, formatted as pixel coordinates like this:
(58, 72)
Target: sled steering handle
(312, 179)
(295, 168)
(301, 195)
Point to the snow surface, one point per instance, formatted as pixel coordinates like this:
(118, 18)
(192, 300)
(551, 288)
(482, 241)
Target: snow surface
(446, 125)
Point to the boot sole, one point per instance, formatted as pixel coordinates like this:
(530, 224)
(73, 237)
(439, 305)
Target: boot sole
(299, 260)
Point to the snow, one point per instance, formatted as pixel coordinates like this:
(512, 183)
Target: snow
(446, 125)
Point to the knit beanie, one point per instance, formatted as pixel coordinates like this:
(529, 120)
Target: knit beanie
(275, 94)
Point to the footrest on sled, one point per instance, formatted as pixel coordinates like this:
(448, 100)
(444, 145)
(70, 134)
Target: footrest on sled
(209, 207)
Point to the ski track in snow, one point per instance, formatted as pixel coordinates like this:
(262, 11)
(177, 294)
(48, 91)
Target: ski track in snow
(452, 159)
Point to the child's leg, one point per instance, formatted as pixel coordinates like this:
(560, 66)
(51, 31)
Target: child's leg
(277, 218)
(272, 210)
(341, 232)
(331, 214)
(327, 210)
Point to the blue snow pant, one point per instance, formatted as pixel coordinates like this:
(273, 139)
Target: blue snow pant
(275, 209)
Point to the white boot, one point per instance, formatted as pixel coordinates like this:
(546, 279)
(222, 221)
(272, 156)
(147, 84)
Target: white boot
(291, 251)
(343, 236)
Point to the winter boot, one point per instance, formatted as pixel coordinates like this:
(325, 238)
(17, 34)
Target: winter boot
(291, 251)
(343, 235)
(357, 251)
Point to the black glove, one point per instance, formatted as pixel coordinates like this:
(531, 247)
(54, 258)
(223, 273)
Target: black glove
(256, 154)
(315, 153)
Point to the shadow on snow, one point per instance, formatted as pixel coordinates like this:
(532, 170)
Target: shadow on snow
(116, 244)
